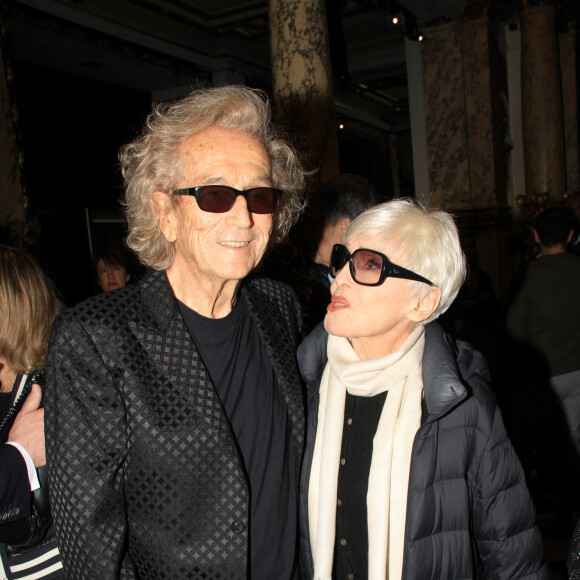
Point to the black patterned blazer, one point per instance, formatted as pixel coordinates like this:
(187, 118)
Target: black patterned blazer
(146, 478)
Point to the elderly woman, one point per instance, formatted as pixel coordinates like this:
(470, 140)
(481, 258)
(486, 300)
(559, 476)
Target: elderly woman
(28, 306)
(410, 473)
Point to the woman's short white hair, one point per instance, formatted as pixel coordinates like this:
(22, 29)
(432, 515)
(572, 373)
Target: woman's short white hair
(421, 240)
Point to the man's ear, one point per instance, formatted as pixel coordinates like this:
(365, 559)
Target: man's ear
(338, 229)
(165, 215)
(536, 237)
(570, 236)
(425, 304)
(343, 224)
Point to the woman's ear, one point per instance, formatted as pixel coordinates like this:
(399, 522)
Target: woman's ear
(165, 215)
(425, 304)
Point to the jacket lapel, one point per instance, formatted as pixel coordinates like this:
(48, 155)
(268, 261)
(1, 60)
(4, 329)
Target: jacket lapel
(281, 349)
(163, 334)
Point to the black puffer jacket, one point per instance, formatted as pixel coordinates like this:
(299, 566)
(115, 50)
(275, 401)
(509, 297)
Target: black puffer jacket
(469, 514)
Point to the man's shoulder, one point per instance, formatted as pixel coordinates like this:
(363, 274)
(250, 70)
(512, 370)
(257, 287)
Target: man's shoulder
(274, 289)
(564, 260)
(113, 310)
(265, 293)
(116, 302)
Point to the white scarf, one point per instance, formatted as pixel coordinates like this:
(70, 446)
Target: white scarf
(400, 374)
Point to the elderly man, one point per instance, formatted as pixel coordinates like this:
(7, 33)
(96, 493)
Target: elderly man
(174, 407)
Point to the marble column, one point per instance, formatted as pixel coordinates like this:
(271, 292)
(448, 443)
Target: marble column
(417, 118)
(465, 152)
(12, 200)
(513, 56)
(463, 125)
(542, 103)
(302, 80)
(569, 75)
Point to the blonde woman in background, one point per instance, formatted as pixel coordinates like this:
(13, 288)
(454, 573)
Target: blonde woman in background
(28, 306)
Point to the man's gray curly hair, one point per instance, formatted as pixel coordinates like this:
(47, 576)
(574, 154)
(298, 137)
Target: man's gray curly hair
(153, 162)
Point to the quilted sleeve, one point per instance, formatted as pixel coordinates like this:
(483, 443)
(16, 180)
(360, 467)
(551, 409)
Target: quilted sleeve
(85, 447)
(508, 542)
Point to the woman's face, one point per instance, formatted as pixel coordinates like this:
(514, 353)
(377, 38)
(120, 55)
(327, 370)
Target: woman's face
(376, 319)
(111, 276)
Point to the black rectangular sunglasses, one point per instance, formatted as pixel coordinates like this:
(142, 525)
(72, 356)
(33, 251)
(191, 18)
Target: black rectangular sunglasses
(221, 198)
(369, 267)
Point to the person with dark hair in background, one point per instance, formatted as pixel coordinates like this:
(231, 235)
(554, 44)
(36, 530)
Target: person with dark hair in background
(175, 416)
(111, 269)
(334, 207)
(545, 312)
(28, 306)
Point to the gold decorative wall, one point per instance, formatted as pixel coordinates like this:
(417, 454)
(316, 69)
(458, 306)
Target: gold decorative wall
(542, 103)
(569, 73)
(461, 108)
(302, 79)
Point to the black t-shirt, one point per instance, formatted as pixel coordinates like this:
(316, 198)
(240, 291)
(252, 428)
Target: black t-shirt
(239, 367)
(361, 420)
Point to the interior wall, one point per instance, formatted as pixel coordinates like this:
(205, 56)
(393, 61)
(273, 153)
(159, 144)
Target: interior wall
(72, 131)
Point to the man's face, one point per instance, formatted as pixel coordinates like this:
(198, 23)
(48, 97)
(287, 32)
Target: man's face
(333, 232)
(212, 248)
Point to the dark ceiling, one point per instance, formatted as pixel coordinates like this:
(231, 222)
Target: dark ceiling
(166, 47)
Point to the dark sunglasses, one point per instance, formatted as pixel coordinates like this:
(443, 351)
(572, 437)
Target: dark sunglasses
(221, 198)
(368, 267)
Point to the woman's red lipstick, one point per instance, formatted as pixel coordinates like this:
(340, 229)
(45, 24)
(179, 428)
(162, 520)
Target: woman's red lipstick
(337, 302)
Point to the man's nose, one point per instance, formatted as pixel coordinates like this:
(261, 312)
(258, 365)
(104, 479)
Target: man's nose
(240, 213)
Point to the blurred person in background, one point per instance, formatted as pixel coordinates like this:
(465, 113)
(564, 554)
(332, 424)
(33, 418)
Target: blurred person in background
(28, 306)
(111, 270)
(334, 207)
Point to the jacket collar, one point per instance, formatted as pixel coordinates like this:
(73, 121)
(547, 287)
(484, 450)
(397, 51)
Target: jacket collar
(159, 311)
(158, 305)
(274, 334)
(443, 386)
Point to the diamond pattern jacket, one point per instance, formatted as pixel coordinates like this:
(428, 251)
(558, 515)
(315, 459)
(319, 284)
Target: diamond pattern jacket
(145, 474)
